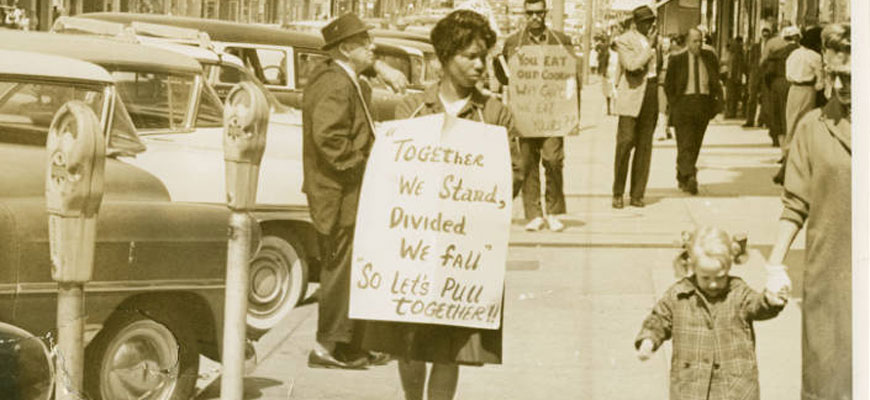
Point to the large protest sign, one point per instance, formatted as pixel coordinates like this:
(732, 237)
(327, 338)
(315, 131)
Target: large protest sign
(543, 91)
(433, 224)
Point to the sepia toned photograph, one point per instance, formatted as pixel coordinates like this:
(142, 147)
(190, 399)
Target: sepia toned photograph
(432, 200)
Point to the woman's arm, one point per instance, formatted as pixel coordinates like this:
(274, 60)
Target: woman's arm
(786, 232)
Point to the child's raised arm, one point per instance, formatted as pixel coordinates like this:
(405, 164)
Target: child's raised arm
(656, 327)
(757, 306)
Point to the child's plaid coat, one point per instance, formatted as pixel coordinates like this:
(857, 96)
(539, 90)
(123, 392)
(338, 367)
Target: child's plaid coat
(714, 343)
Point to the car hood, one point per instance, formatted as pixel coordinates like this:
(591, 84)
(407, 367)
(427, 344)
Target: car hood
(23, 176)
(192, 167)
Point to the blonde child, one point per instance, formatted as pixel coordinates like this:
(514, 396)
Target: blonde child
(708, 315)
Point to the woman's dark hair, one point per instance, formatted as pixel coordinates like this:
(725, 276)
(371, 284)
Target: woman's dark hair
(812, 39)
(457, 31)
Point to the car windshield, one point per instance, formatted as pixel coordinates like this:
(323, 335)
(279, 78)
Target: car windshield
(156, 101)
(224, 75)
(27, 107)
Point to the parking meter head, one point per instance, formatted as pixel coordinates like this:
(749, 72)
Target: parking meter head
(76, 152)
(246, 117)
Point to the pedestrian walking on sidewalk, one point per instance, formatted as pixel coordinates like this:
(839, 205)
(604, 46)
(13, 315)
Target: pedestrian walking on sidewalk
(755, 90)
(549, 151)
(666, 50)
(636, 105)
(708, 316)
(803, 70)
(736, 78)
(695, 94)
(461, 41)
(817, 194)
(338, 133)
(776, 83)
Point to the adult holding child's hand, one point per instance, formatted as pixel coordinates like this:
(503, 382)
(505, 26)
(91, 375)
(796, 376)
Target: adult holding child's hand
(646, 350)
(817, 194)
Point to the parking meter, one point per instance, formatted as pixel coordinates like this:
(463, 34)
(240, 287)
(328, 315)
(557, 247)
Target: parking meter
(76, 152)
(246, 117)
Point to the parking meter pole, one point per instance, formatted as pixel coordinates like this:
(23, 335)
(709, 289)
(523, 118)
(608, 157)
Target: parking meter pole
(76, 152)
(70, 349)
(246, 116)
(235, 312)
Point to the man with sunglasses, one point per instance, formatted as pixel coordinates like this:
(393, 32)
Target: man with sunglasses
(338, 134)
(549, 151)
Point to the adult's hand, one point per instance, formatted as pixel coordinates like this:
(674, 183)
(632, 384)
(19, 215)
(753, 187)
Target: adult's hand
(645, 351)
(395, 79)
(778, 281)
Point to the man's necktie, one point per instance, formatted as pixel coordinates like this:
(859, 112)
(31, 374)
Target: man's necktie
(697, 76)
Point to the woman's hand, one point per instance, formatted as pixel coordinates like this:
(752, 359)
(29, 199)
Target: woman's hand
(645, 351)
(778, 282)
(775, 299)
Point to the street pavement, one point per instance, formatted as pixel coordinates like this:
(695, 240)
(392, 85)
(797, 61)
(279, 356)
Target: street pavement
(575, 299)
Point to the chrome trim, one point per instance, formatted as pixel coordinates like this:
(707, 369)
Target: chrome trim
(125, 286)
(8, 288)
(108, 111)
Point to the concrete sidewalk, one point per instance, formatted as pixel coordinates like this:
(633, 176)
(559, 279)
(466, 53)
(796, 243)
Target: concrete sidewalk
(574, 300)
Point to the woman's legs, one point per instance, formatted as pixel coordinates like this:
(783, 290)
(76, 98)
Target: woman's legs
(442, 381)
(413, 377)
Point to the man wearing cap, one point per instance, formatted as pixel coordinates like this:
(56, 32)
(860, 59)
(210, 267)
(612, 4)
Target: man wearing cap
(636, 105)
(693, 88)
(548, 151)
(338, 133)
(773, 68)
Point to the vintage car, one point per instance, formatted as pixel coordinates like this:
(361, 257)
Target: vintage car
(282, 59)
(156, 299)
(162, 99)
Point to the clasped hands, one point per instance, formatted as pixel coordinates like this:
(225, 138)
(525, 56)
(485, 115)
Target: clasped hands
(778, 285)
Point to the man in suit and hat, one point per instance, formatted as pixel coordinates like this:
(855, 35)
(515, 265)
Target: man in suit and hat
(695, 93)
(338, 133)
(636, 105)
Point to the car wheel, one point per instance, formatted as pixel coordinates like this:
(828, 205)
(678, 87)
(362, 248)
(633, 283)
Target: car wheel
(135, 357)
(279, 279)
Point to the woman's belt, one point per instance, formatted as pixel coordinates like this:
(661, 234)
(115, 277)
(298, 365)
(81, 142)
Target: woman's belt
(804, 83)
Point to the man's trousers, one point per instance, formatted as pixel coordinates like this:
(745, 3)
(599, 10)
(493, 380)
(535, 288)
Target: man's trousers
(549, 151)
(333, 324)
(691, 115)
(636, 133)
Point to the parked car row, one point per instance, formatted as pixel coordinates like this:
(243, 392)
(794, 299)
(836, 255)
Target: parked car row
(284, 59)
(156, 301)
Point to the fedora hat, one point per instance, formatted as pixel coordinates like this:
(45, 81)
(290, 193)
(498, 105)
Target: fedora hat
(643, 13)
(342, 28)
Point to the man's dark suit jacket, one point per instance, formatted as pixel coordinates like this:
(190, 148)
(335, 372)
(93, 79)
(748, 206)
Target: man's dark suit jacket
(336, 141)
(677, 78)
